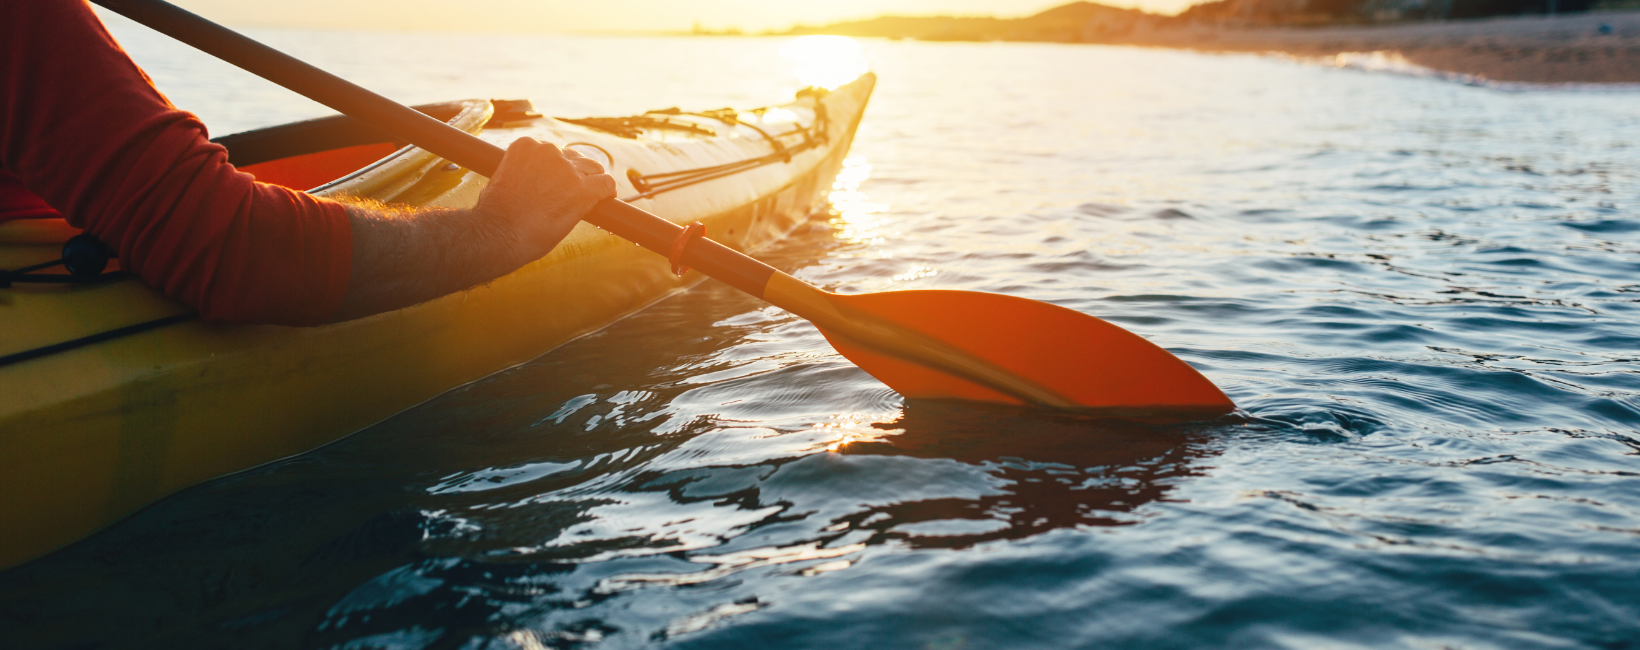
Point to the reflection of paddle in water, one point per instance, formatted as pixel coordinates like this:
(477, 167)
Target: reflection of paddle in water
(1054, 471)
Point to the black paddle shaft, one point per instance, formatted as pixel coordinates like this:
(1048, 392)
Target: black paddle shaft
(403, 122)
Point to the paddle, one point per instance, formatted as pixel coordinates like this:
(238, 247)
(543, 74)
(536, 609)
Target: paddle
(924, 344)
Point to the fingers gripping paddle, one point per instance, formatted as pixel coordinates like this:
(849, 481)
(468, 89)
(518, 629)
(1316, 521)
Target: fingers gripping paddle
(924, 344)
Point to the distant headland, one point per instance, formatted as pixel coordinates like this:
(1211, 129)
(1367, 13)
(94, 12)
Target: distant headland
(1546, 41)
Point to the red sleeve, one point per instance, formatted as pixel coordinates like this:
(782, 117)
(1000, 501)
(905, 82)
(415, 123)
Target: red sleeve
(84, 129)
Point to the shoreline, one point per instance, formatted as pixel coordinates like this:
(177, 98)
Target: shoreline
(1593, 47)
(1530, 49)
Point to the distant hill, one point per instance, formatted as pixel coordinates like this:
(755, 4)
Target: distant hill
(1329, 12)
(1067, 24)
(1089, 22)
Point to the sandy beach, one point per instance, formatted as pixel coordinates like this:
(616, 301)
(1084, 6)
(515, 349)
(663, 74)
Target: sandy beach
(1538, 49)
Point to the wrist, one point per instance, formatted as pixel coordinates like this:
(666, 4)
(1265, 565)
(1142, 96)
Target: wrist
(499, 241)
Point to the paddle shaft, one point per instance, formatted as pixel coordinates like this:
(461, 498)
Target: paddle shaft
(617, 217)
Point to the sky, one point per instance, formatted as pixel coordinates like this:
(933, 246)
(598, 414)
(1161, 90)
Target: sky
(606, 15)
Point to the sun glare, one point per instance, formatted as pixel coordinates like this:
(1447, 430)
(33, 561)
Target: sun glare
(825, 61)
(858, 219)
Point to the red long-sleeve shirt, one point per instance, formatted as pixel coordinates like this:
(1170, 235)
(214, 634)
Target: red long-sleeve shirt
(84, 134)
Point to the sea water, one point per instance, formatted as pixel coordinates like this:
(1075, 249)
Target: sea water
(1422, 295)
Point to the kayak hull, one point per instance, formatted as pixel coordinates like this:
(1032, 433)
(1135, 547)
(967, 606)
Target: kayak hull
(89, 435)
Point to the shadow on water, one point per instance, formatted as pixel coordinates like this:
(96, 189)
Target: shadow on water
(324, 551)
(1052, 471)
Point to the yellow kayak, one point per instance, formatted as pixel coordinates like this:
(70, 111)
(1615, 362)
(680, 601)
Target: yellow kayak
(112, 396)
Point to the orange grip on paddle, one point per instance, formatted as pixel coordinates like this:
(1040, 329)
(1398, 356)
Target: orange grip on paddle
(694, 231)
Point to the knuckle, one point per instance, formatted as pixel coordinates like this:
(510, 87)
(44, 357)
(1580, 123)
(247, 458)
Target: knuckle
(603, 185)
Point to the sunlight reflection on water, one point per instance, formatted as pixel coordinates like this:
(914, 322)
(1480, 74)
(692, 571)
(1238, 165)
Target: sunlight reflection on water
(825, 61)
(858, 218)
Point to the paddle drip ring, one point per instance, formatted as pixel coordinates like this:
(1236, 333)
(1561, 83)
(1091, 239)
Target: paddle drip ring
(690, 233)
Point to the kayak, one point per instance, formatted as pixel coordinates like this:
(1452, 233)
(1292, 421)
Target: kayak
(113, 396)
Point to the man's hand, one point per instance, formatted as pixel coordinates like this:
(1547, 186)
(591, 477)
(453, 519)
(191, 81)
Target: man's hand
(402, 257)
(540, 192)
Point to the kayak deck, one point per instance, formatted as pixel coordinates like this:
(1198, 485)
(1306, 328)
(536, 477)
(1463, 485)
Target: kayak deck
(90, 434)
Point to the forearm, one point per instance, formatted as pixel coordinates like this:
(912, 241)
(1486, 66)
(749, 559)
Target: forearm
(403, 257)
(85, 132)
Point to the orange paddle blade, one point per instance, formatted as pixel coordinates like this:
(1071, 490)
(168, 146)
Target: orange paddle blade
(1093, 364)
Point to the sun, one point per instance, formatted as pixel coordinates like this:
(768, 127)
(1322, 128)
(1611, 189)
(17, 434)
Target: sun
(825, 61)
